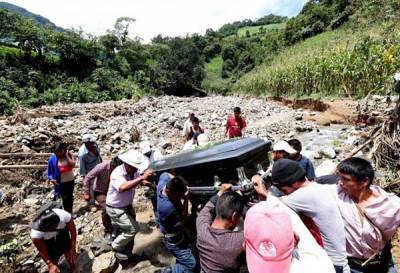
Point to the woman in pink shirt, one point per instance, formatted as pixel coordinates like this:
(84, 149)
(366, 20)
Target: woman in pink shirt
(60, 172)
(370, 214)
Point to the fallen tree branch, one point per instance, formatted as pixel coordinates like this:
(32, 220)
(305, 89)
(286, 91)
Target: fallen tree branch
(23, 155)
(372, 138)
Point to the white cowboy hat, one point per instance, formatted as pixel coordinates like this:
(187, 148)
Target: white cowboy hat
(88, 138)
(135, 159)
(284, 146)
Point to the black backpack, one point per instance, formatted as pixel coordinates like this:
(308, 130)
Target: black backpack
(46, 217)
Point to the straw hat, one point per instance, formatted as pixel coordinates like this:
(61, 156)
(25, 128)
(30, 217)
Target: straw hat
(135, 159)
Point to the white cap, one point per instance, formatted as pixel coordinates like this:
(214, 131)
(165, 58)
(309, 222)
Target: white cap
(145, 146)
(88, 138)
(135, 159)
(284, 146)
(202, 139)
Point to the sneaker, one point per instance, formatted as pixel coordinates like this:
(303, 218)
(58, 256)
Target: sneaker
(108, 237)
(121, 256)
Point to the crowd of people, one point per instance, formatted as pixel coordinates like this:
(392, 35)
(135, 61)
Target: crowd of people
(297, 224)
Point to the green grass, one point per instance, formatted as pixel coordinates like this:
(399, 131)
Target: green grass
(213, 81)
(9, 51)
(256, 29)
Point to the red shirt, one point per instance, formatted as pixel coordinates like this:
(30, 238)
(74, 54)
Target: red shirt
(235, 127)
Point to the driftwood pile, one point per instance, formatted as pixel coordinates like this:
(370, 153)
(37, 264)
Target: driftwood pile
(384, 140)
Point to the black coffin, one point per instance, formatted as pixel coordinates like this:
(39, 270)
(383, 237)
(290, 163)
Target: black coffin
(200, 166)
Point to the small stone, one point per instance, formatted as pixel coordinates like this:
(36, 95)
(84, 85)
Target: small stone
(298, 117)
(31, 201)
(94, 126)
(325, 168)
(25, 149)
(328, 152)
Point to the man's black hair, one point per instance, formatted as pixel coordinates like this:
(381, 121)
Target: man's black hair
(227, 204)
(115, 161)
(237, 110)
(177, 186)
(357, 167)
(196, 120)
(60, 146)
(296, 144)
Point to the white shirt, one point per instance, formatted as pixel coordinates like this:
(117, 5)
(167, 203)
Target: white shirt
(64, 216)
(115, 197)
(186, 127)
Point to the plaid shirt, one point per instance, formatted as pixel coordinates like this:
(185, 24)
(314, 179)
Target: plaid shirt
(98, 178)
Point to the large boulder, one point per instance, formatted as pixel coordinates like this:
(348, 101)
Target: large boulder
(105, 263)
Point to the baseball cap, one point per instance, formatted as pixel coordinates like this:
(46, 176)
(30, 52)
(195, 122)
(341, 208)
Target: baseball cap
(285, 172)
(284, 146)
(203, 140)
(88, 138)
(269, 239)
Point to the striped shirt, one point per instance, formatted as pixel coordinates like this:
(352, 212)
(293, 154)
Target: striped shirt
(98, 178)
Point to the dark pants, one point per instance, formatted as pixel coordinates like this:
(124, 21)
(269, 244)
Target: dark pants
(179, 247)
(58, 245)
(379, 264)
(338, 269)
(67, 194)
(105, 218)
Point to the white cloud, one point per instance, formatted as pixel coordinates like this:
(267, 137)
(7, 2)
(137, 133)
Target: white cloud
(168, 17)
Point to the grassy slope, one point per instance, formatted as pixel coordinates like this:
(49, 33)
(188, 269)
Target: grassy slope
(321, 45)
(213, 81)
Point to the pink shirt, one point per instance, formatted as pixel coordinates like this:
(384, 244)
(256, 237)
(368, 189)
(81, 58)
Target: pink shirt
(362, 239)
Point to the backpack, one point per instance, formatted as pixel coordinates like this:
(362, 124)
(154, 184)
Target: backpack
(46, 217)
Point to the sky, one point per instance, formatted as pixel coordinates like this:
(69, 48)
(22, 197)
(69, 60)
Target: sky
(153, 17)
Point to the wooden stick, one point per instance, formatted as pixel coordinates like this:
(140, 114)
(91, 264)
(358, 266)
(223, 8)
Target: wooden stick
(365, 144)
(20, 167)
(13, 155)
(369, 259)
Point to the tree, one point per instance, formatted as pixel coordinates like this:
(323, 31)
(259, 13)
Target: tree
(30, 38)
(121, 27)
(178, 66)
(8, 24)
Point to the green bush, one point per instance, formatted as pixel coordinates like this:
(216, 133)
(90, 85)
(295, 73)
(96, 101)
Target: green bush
(6, 103)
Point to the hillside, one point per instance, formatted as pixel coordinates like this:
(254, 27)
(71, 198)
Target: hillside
(42, 21)
(332, 48)
(354, 59)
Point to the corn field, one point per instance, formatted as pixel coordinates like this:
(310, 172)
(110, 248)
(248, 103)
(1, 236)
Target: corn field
(364, 68)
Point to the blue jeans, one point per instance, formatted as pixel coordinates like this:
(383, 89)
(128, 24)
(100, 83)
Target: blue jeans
(185, 261)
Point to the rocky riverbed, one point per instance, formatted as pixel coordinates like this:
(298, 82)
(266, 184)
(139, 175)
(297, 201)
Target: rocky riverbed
(119, 126)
